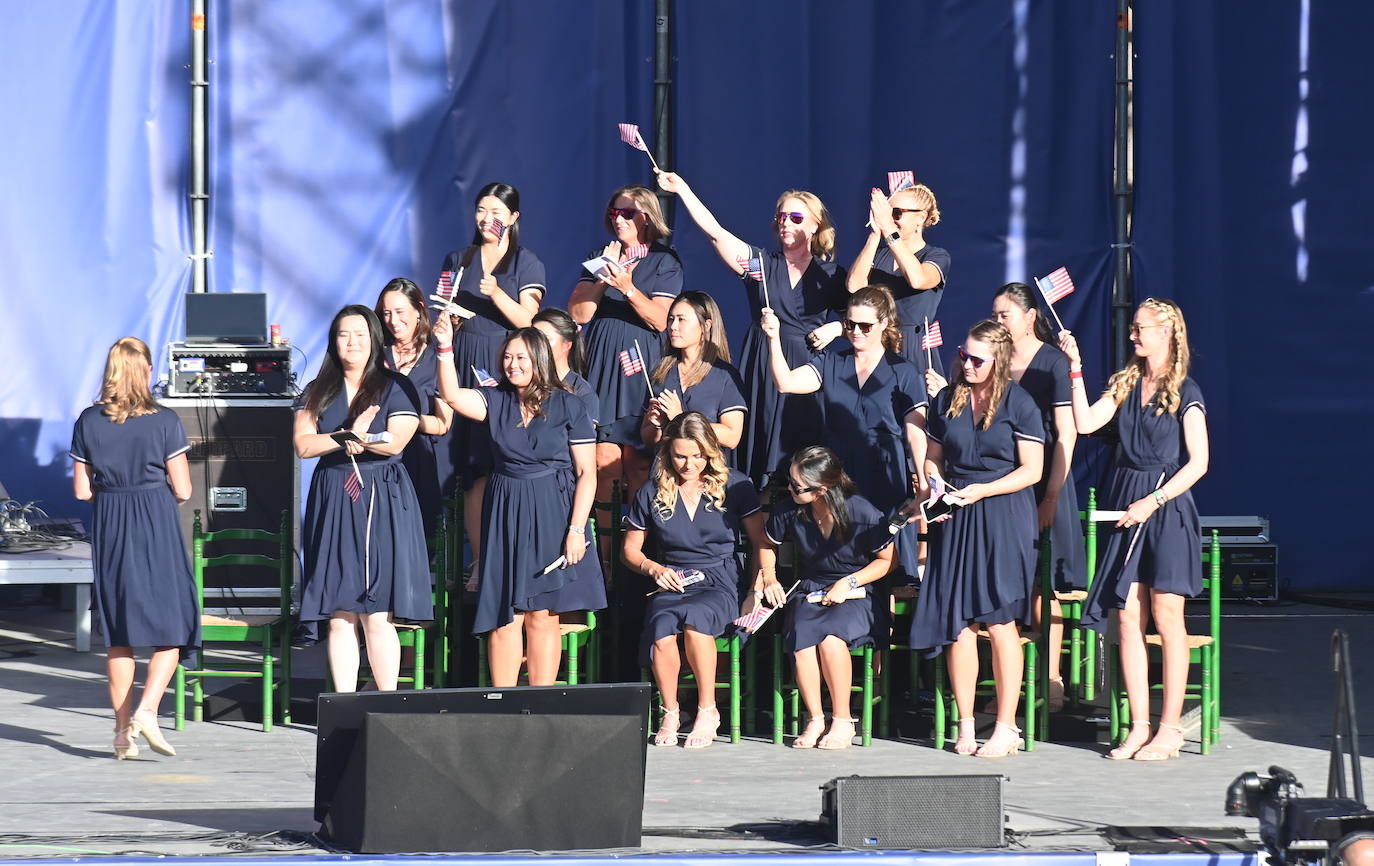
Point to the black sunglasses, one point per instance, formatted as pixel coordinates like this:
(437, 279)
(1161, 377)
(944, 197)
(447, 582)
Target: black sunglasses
(795, 216)
(898, 211)
(977, 361)
(800, 491)
(862, 327)
(625, 213)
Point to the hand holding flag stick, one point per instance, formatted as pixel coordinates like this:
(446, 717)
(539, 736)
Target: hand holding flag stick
(752, 621)
(754, 269)
(629, 133)
(1055, 287)
(639, 354)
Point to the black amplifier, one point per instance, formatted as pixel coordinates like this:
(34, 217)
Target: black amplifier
(229, 371)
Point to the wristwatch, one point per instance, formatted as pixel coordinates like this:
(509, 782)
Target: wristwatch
(894, 237)
(853, 581)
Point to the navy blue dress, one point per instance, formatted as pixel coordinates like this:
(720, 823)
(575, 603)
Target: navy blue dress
(582, 390)
(704, 541)
(617, 326)
(820, 562)
(526, 512)
(426, 457)
(719, 391)
(1166, 555)
(367, 556)
(1046, 379)
(914, 306)
(144, 593)
(477, 342)
(778, 424)
(981, 566)
(865, 427)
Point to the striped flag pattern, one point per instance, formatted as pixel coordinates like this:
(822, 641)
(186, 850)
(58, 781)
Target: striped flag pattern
(498, 228)
(753, 267)
(485, 379)
(445, 287)
(629, 133)
(630, 362)
(899, 180)
(634, 253)
(751, 621)
(1056, 286)
(353, 486)
(932, 338)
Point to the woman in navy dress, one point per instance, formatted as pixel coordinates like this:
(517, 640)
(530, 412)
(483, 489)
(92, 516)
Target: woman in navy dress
(899, 223)
(130, 458)
(620, 306)
(695, 375)
(987, 443)
(569, 356)
(689, 517)
(1149, 562)
(872, 407)
(502, 284)
(806, 291)
(842, 546)
(364, 538)
(538, 505)
(409, 351)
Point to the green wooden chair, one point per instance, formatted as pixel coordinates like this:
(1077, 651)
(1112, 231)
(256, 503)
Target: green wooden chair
(269, 629)
(733, 683)
(787, 697)
(903, 605)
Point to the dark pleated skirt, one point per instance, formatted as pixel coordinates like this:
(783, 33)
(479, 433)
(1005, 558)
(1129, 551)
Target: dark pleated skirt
(367, 556)
(1166, 556)
(524, 526)
(470, 441)
(421, 460)
(879, 466)
(708, 607)
(622, 397)
(776, 424)
(1068, 562)
(857, 622)
(981, 569)
(144, 593)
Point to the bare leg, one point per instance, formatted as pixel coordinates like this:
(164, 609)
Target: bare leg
(383, 650)
(161, 668)
(701, 655)
(636, 471)
(808, 669)
(543, 650)
(1007, 668)
(343, 650)
(839, 676)
(1173, 633)
(121, 667)
(667, 665)
(472, 515)
(609, 469)
(961, 658)
(1131, 621)
(505, 650)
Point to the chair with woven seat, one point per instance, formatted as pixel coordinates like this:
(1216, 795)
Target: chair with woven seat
(228, 621)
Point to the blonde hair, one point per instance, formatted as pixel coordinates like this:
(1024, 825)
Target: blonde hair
(124, 390)
(823, 241)
(715, 345)
(1169, 386)
(999, 338)
(879, 299)
(926, 199)
(695, 427)
(646, 201)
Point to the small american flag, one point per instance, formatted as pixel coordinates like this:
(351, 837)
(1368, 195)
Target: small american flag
(753, 267)
(630, 362)
(629, 133)
(353, 484)
(899, 180)
(485, 379)
(1056, 286)
(445, 287)
(634, 253)
(498, 228)
(932, 339)
(751, 621)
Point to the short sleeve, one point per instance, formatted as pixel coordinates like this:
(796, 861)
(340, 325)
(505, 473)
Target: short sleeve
(668, 277)
(80, 451)
(732, 392)
(741, 499)
(1027, 423)
(580, 429)
(640, 512)
(779, 524)
(936, 422)
(1059, 372)
(529, 273)
(823, 364)
(868, 526)
(1190, 395)
(908, 396)
(939, 257)
(174, 441)
(401, 398)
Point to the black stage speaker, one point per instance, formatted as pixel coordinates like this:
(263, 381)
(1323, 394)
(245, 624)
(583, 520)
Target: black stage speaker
(549, 768)
(931, 813)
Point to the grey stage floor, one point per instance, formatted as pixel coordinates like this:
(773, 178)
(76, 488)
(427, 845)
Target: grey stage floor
(61, 793)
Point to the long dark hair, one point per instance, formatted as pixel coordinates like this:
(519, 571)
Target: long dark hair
(417, 300)
(1023, 297)
(329, 382)
(544, 376)
(568, 330)
(819, 466)
(510, 197)
(715, 345)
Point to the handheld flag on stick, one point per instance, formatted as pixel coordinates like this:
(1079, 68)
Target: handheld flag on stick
(629, 133)
(630, 362)
(634, 252)
(1055, 287)
(931, 338)
(446, 283)
(639, 362)
(899, 180)
(485, 379)
(751, 622)
(753, 269)
(497, 228)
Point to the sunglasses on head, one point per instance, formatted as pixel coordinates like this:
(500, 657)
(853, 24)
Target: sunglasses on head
(795, 216)
(862, 327)
(800, 491)
(625, 213)
(977, 361)
(898, 211)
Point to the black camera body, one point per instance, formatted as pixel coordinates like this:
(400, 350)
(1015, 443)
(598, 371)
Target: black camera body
(1294, 828)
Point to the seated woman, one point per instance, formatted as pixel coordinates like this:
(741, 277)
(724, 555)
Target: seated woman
(690, 513)
(842, 545)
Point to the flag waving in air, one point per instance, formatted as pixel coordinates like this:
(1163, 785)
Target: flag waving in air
(932, 338)
(899, 180)
(629, 133)
(1055, 287)
(445, 287)
(485, 379)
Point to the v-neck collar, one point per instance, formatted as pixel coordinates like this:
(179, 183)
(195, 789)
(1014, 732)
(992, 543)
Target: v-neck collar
(691, 512)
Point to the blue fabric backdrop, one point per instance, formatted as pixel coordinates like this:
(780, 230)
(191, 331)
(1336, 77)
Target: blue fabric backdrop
(350, 137)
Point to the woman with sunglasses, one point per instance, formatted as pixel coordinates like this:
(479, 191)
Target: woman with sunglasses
(872, 405)
(536, 517)
(987, 443)
(695, 375)
(1149, 561)
(502, 284)
(688, 517)
(842, 546)
(624, 304)
(896, 256)
(805, 289)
